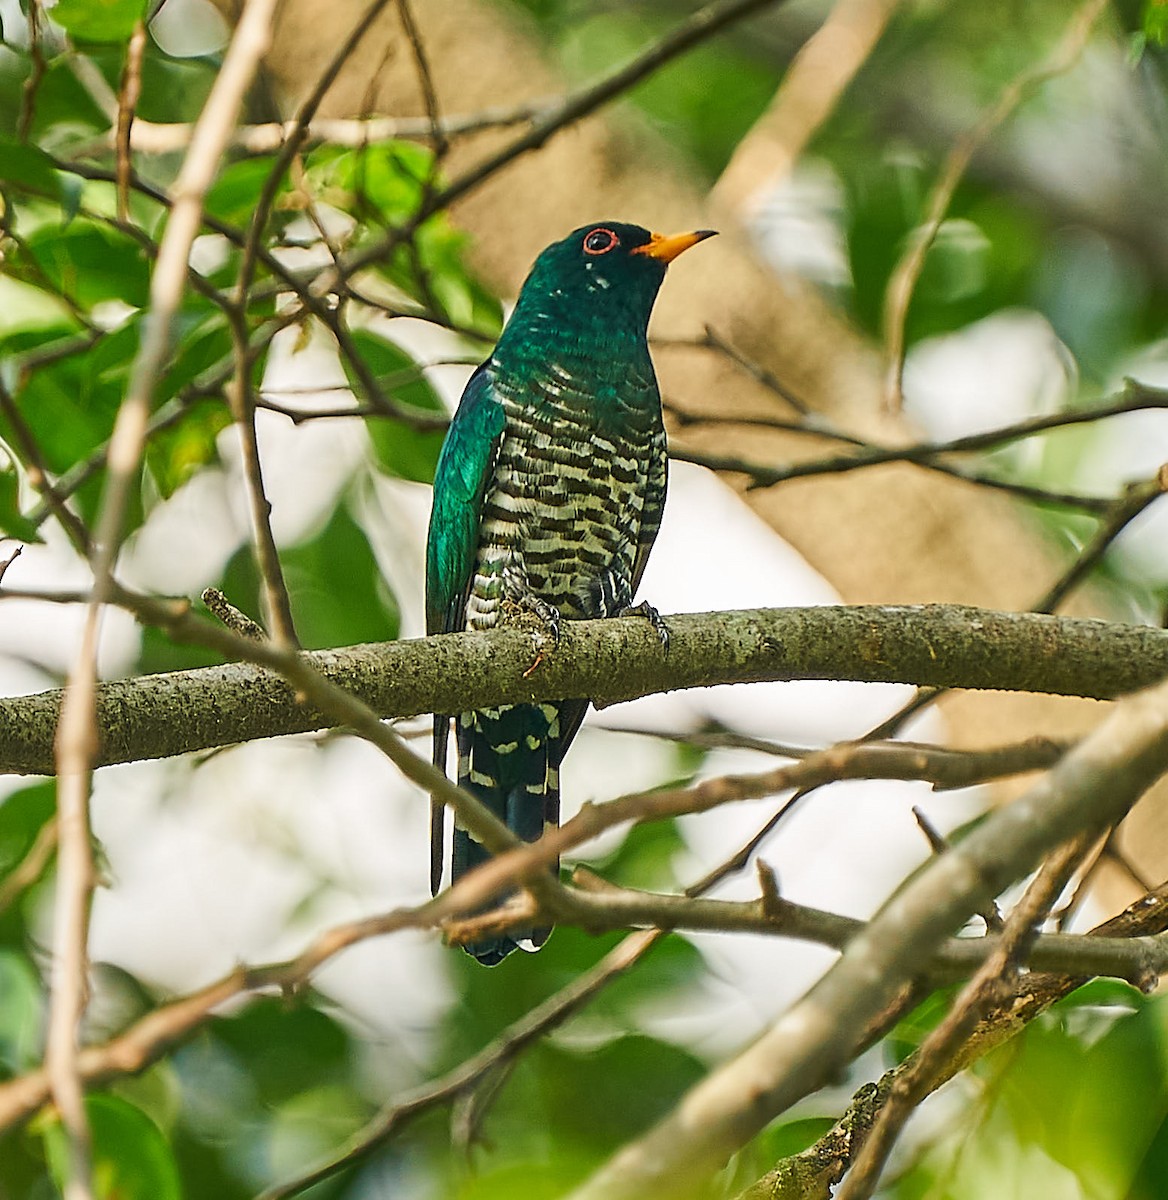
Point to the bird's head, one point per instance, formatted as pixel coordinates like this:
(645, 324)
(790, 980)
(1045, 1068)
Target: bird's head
(598, 282)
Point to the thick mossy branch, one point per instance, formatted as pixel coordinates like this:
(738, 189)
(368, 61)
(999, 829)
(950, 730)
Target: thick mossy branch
(157, 716)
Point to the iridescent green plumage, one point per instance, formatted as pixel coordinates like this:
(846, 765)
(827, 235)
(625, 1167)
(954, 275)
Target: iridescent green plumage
(548, 494)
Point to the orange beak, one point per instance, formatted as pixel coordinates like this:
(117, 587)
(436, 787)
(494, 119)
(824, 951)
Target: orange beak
(665, 248)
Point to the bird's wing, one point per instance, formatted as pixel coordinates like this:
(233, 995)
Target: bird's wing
(464, 471)
(465, 467)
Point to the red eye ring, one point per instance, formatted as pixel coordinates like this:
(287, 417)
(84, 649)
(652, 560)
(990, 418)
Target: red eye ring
(600, 241)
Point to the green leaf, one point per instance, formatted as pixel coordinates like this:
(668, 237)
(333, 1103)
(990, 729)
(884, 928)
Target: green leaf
(12, 521)
(613, 1078)
(399, 449)
(22, 815)
(338, 594)
(1104, 993)
(1156, 22)
(203, 341)
(403, 451)
(92, 263)
(396, 371)
(234, 194)
(71, 412)
(464, 300)
(22, 1007)
(531, 1179)
(793, 1137)
(63, 106)
(311, 1125)
(175, 454)
(911, 1030)
(131, 1157)
(28, 167)
(384, 176)
(30, 317)
(645, 858)
(1090, 1087)
(71, 404)
(99, 20)
(261, 1037)
(172, 89)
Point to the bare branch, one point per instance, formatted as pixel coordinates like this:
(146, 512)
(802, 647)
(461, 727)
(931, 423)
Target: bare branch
(1135, 397)
(503, 1050)
(903, 281)
(762, 475)
(149, 137)
(1090, 788)
(77, 738)
(813, 1172)
(620, 659)
(31, 86)
(128, 95)
(425, 79)
(918, 1080)
(1135, 499)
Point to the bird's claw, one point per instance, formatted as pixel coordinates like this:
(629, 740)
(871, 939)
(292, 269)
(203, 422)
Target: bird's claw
(547, 613)
(646, 611)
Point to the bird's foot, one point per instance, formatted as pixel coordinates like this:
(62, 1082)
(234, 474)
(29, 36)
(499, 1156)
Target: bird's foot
(547, 613)
(650, 614)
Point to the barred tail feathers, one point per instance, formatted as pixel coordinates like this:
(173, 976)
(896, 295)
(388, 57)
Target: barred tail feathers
(509, 758)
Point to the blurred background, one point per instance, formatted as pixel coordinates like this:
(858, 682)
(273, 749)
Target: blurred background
(813, 136)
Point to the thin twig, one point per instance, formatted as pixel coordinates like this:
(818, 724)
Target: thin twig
(150, 137)
(467, 1076)
(814, 1171)
(903, 280)
(991, 915)
(762, 475)
(31, 86)
(914, 1084)
(77, 734)
(277, 603)
(235, 620)
(437, 132)
(1135, 499)
(1136, 397)
(128, 94)
(1091, 787)
(6, 562)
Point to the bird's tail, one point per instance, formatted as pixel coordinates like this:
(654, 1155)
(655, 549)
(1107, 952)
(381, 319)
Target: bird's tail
(509, 758)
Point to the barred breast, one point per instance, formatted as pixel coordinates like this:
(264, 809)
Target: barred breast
(564, 515)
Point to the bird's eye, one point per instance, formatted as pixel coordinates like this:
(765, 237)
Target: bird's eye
(600, 241)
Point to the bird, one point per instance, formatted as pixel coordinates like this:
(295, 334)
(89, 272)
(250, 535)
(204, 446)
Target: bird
(548, 495)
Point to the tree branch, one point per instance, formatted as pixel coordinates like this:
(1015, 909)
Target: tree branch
(157, 716)
(811, 1174)
(1093, 786)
